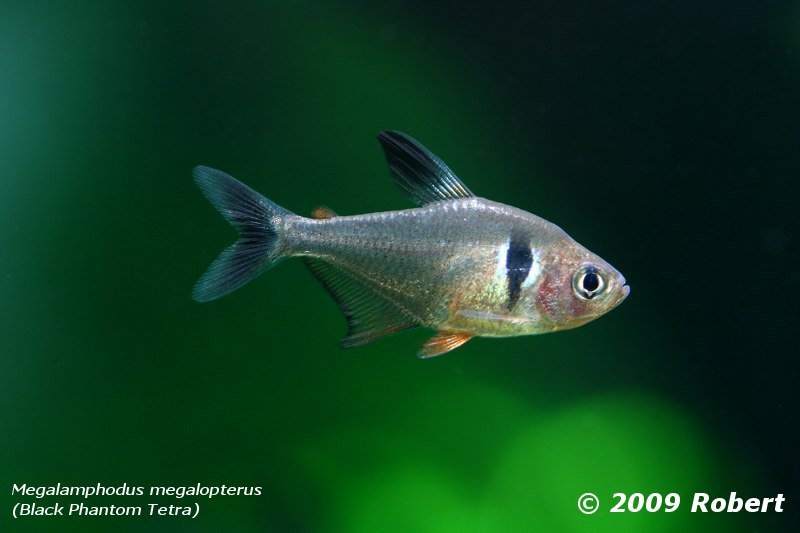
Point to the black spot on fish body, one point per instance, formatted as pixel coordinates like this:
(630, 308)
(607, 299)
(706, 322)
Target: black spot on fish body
(519, 259)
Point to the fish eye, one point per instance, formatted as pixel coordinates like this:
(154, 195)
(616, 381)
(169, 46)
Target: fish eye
(588, 282)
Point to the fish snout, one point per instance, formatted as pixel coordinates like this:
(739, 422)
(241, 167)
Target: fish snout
(624, 290)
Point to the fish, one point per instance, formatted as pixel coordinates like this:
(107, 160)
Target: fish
(458, 264)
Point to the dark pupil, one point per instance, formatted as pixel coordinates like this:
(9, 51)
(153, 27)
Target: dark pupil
(590, 281)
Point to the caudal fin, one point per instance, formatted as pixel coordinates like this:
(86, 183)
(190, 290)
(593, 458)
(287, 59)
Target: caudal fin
(257, 221)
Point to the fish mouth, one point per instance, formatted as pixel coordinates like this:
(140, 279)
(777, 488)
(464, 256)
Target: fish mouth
(624, 291)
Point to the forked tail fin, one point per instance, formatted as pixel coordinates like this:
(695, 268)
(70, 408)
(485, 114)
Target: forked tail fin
(257, 220)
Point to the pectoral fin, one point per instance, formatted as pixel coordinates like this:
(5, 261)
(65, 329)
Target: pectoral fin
(443, 342)
(494, 317)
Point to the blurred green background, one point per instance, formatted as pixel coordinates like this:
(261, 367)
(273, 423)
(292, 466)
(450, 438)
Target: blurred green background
(661, 135)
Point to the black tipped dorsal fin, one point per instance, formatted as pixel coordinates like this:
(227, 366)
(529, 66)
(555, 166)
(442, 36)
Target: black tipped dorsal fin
(417, 171)
(369, 315)
(443, 342)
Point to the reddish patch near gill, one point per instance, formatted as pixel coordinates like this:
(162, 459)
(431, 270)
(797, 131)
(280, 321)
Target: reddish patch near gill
(547, 296)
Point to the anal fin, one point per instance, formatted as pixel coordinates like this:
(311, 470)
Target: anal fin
(369, 315)
(443, 342)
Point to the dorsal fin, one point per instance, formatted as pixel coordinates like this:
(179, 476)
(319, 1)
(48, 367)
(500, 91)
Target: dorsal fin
(369, 315)
(417, 171)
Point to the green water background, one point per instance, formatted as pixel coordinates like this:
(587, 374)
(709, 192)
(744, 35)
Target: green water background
(662, 136)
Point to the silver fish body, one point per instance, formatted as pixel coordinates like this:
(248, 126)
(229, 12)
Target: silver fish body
(459, 264)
